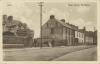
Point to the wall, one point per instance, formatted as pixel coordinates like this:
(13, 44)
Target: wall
(57, 30)
(89, 40)
(17, 40)
(80, 36)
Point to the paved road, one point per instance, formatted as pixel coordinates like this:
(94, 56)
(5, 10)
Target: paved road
(82, 55)
(37, 54)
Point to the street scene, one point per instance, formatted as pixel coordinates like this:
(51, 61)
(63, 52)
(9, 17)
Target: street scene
(49, 31)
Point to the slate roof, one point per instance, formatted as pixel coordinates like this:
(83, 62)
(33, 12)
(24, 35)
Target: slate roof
(81, 30)
(89, 33)
(13, 23)
(65, 24)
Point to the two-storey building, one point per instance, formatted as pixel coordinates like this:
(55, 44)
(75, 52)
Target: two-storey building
(59, 31)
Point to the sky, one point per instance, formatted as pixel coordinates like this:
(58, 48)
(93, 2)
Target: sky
(79, 14)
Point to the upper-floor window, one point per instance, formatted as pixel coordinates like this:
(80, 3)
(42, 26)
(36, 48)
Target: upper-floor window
(77, 34)
(82, 35)
(47, 24)
(56, 24)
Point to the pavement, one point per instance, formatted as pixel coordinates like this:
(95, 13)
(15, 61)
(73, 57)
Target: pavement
(42, 54)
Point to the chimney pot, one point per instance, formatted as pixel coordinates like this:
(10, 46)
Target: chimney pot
(4, 17)
(52, 16)
(63, 20)
(10, 18)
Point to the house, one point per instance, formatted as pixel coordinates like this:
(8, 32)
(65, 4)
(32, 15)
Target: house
(15, 32)
(9, 24)
(81, 36)
(95, 37)
(14, 26)
(59, 31)
(89, 37)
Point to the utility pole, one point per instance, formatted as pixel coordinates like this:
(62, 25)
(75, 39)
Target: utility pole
(84, 35)
(94, 35)
(41, 4)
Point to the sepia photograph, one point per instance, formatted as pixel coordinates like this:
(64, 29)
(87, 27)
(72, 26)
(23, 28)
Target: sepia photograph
(49, 31)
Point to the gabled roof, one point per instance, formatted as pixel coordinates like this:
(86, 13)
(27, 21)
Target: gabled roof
(64, 24)
(13, 23)
(67, 25)
(16, 22)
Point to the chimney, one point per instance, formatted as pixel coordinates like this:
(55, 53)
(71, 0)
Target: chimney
(84, 28)
(10, 18)
(52, 16)
(4, 17)
(63, 20)
(67, 22)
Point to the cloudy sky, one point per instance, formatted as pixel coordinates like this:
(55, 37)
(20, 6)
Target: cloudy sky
(80, 14)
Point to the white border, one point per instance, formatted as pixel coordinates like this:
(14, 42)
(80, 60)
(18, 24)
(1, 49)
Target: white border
(50, 62)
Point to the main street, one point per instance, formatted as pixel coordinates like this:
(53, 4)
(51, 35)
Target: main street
(51, 54)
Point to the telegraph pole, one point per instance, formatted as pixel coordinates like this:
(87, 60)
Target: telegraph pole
(94, 35)
(41, 4)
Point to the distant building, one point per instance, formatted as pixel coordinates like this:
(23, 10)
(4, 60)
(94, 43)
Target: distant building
(95, 37)
(81, 36)
(89, 37)
(61, 32)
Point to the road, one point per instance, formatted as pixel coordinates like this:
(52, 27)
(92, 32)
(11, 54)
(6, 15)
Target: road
(46, 53)
(82, 55)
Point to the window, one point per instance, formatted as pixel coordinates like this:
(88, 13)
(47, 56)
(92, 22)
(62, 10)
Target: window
(82, 35)
(66, 30)
(56, 24)
(77, 34)
(52, 31)
(47, 24)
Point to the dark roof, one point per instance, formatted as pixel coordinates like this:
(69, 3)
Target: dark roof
(81, 30)
(89, 33)
(8, 33)
(16, 22)
(65, 24)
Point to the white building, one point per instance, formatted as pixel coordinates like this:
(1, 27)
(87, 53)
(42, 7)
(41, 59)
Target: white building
(80, 36)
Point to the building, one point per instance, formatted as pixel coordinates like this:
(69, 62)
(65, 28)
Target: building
(15, 26)
(81, 36)
(89, 37)
(16, 32)
(9, 24)
(59, 31)
(95, 38)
